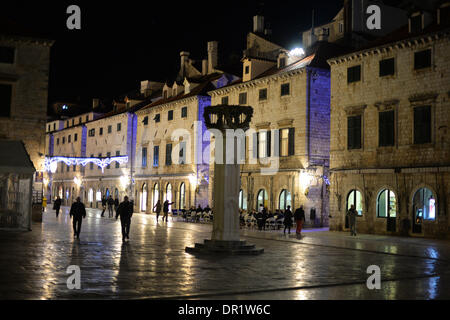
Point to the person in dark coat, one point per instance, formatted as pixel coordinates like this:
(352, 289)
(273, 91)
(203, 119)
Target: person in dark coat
(352, 213)
(110, 206)
(264, 218)
(287, 219)
(116, 204)
(166, 209)
(299, 217)
(78, 212)
(259, 220)
(125, 212)
(57, 205)
(157, 209)
(104, 201)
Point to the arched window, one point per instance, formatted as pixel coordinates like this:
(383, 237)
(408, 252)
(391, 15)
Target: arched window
(99, 195)
(386, 204)
(424, 205)
(67, 194)
(107, 193)
(60, 192)
(261, 199)
(155, 194)
(354, 197)
(144, 197)
(242, 200)
(182, 196)
(169, 194)
(285, 199)
(116, 193)
(91, 195)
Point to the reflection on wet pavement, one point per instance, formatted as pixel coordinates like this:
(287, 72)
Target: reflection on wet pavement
(153, 264)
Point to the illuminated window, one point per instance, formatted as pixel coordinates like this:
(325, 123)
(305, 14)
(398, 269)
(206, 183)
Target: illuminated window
(242, 200)
(169, 195)
(424, 203)
(284, 142)
(262, 144)
(386, 204)
(155, 194)
(262, 198)
(354, 198)
(182, 196)
(285, 200)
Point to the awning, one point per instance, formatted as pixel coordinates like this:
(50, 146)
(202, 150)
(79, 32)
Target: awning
(14, 158)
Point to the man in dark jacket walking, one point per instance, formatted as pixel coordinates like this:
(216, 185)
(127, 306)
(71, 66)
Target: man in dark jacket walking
(287, 219)
(57, 205)
(166, 209)
(157, 209)
(125, 211)
(110, 206)
(299, 217)
(104, 201)
(78, 211)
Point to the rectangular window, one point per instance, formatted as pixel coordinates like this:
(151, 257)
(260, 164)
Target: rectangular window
(64, 140)
(354, 132)
(119, 127)
(108, 154)
(99, 155)
(416, 23)
(386, 127)
(100, 131)
(422, 59)
(54, 126)
(225, 100)
(170, 115)
(354, 74)
(168, 154)
(5, 100)
(67, 123)
(284, 142)
(144, 157)
(184, 112)
(57, 141)
(282, 62)
(91, 164)
(156, 156)
(74, 167)
(145, 121)
(157, 117)
(262, 94)
(285, 89)
(182, 155)
(243, 98)
(422, 125)
(387, 67)
(80, 120)
(48, 128)
(262, 144)
(247, 69)
(87, 118)
(109, 129)
(7, 55)
(92, 133)
(75, 137)
(69, 138)
(117, 163)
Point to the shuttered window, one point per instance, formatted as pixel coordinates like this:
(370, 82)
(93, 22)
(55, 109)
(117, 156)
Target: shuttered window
(144, 157)
(354, 132)
(354, 74)
(387, 67)
(422, 125)
(422, 59)
(262, 94)
(291, 141)
(243, 98)
(168, 154)
(386, 128)
(156, 156)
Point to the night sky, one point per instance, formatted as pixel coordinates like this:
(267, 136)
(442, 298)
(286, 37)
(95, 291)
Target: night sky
(123, 42)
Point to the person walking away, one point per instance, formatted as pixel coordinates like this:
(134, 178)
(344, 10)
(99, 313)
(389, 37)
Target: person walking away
(264, 218)
(287, 219)
(157, 209)
(110, 206)
(78, 212)
(125, 212)
(352, 219)
(57, 205)
(103, 205)
(116, 204)
(299, 217)
(166, 209)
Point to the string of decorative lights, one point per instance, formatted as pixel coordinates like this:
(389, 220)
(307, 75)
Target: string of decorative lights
(51, 163)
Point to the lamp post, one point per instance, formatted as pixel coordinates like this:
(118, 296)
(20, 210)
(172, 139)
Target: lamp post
(225, 236)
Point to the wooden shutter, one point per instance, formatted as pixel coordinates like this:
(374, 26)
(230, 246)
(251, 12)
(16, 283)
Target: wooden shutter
(386, 128)
(422, 125)
(268, 142)
(291, 151)
(255, 145)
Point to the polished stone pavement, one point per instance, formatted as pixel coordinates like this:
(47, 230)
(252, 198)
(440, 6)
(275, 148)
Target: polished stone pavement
(154, 264)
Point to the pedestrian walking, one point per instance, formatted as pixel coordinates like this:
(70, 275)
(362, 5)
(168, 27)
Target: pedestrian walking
(351, 214)
(264, 218)
(57, 205)
(299, 217)
(166, 209)
(125, 212)
(103, 205)
(116, 204)
(110, 206)
(44, 204)
(287, 219)
(157, 209)
(78, 212)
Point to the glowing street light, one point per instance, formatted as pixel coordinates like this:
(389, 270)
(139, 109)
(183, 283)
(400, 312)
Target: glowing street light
(297, 52)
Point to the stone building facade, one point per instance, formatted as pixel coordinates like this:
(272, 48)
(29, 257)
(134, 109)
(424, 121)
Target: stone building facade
(390, 145)
(24, 69)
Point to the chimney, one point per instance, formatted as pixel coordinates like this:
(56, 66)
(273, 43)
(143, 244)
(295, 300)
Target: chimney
(184, 60)
(258, 24)
(213, 53)
(95, 103)
(204, 66)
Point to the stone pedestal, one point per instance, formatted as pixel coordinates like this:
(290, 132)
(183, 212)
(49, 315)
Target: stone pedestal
(225, 237)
